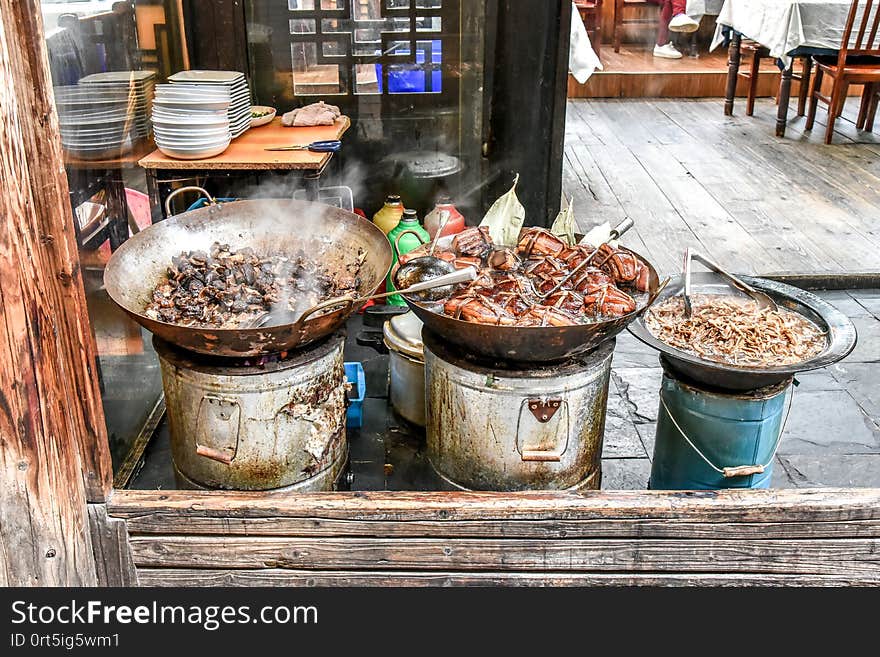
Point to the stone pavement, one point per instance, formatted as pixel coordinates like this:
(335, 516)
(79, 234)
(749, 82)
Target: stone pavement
(832, 437)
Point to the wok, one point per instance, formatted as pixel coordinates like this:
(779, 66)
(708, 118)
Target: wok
(841, 335)
(267, 226)
(528, 344)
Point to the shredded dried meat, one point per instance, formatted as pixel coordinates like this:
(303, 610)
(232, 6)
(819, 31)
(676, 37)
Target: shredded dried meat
(735, 331)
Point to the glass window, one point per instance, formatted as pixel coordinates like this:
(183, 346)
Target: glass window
(105, 58)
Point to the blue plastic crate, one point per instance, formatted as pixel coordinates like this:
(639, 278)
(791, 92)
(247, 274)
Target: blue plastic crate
(354, 417)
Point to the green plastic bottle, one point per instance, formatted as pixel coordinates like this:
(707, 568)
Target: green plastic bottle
(408, 242)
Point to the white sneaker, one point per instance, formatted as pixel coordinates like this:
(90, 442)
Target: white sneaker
(683, 23)
(668, 51)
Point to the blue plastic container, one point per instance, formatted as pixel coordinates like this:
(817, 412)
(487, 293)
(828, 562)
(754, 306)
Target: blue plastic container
(411, 78)
(354, 417)
(730, 429)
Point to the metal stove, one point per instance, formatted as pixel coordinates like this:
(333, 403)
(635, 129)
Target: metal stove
(262, 423)
(507, 426)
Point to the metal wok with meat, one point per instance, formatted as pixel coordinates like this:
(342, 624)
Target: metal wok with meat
(515, 325)
(525, 285)
(304, 252)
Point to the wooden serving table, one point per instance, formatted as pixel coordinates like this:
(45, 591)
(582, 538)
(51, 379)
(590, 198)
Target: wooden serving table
(247, 154)
(788, 28)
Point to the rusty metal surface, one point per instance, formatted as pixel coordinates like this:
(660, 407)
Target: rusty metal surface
(267, 226)
(261, 430)
(482, 433)
(406, 391)
(329, 479)
(529, 344)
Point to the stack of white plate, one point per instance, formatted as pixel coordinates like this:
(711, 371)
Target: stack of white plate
(140, 86)
(233, 82)
(96, 123)
(191, 122)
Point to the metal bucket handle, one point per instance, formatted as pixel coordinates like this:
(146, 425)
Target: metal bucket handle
(738, 470)
(190, 188)
(541, 455)
(401, 234)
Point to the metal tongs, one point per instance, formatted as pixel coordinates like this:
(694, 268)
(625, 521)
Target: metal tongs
(763, 300)
(615, 233)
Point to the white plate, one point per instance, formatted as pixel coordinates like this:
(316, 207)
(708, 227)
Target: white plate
(192, 116)
(191, 105)
(193, 146)
(162, 123)
(183, 154)
(211, 77)
(119, 76)
(190, 90)
(211, 131)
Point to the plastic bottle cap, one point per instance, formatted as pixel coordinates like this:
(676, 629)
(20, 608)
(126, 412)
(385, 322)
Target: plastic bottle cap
(392, 199)
(410, 215)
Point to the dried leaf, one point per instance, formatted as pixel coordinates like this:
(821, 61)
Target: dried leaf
(505, 218)
(564, 225)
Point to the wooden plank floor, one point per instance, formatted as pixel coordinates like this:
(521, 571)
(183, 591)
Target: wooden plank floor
(689, 176)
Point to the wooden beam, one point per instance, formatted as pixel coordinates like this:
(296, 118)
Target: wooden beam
(51, 423)
(850, 557)
(735, 505)
(278, 577)
(49, 326)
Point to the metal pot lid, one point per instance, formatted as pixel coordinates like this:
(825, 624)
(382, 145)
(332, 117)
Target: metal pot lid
(429, 164)
(403, 333)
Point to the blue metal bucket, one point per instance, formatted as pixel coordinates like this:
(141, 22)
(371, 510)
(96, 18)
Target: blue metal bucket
(709, 439)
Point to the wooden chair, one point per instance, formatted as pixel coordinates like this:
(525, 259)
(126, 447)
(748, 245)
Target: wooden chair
(759, 53)
(858, 62)
(591, 15)
(620, 20)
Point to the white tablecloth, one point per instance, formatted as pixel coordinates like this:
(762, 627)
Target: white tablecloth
(696, 9)
(784, 25)
(582, 59)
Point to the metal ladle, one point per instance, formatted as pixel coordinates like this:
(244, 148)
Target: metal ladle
(453, 278)
(428, 266)
(763, 300)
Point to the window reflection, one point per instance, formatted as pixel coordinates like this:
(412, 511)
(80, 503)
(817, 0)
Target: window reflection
(105, 58)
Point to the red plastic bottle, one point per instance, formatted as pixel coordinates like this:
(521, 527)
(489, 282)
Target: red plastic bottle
(454, 225)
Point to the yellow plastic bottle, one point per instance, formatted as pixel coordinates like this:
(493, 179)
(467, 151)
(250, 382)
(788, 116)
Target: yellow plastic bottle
(389, 214)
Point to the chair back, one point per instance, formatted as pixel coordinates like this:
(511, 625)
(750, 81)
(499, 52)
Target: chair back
(861, 37)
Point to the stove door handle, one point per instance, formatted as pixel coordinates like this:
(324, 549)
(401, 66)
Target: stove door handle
(216, 454)
(543, 411)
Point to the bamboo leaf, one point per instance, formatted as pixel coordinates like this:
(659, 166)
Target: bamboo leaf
(505, 218)
(564, 225)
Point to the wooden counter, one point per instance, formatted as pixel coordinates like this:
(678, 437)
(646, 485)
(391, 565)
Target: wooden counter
(247, 153)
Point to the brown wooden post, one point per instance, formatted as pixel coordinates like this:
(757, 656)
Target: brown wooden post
(53, 448)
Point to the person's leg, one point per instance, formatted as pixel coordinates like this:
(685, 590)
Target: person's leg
(666, 10)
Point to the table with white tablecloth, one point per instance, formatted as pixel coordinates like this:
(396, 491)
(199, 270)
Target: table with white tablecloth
(787, 28)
